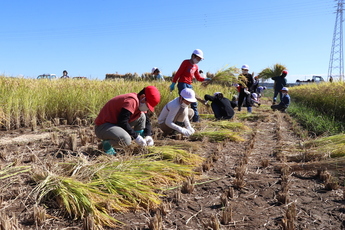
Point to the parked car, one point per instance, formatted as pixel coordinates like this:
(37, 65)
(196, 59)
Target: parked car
(47, 76)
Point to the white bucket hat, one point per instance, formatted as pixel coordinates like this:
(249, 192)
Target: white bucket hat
(188, 94)
(285, 89)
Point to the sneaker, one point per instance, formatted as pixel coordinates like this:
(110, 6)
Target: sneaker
(108, 149)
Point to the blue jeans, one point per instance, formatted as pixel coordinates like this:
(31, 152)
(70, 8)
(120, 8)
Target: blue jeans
(194, 105)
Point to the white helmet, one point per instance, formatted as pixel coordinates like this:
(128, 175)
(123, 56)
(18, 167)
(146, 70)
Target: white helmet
(188, 94)
(199, 53)
(245, 67)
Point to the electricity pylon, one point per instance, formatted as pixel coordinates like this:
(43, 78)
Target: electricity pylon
(336, 59)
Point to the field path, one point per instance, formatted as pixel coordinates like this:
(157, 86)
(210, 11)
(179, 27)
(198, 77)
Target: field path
(258, 204)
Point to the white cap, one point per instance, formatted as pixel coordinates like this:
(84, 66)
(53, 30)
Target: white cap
(199, 53)
(188, 94)
(245, 67)
(153, 69)
(254, 95)
(284, 89)
(216, 93)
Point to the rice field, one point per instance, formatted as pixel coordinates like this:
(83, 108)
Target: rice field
(94, 188)
(27, 101)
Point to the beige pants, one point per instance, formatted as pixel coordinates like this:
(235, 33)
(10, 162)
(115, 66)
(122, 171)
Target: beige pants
(178, 120)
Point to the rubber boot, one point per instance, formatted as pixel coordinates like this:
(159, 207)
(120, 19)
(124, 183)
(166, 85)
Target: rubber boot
(249, 109)
(140, 132)
(108, 149)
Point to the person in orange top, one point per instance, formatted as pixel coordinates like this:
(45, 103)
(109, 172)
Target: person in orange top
(124, 118)
(184, 77)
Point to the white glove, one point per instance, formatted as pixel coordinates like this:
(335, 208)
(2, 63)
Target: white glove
(185, 132)
(149, 141)
(140, 141)
(191, 130)
(246, 92)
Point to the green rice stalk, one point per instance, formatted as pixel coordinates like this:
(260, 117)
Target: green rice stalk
(217, 136)
(10, 171)
(174, 154)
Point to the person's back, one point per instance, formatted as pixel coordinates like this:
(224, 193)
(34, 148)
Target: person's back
(221, 106)
(279, 83)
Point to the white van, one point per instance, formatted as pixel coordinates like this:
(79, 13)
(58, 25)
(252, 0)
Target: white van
(47, 76)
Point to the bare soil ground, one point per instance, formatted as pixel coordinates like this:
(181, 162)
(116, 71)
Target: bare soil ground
(246, 185)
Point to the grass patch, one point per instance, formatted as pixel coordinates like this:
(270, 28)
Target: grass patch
(314, 121)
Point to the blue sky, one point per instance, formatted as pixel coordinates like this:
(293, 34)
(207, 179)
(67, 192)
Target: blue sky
(92, 38)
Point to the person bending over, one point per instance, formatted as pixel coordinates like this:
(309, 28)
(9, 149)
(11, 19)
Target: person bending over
(124, 118)
(176, 116)
(221, 106)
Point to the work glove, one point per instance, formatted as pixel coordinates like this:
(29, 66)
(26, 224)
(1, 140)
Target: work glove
(149, 140)
(207, 79)
(246, 92)
(172, 86)
(185, 132)
(191, 130)
(140, 141)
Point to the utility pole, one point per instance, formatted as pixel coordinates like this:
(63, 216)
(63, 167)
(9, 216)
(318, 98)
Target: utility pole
(336, 65)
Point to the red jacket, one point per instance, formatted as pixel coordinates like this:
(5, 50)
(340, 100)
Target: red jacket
(111, 110)
(186, 72)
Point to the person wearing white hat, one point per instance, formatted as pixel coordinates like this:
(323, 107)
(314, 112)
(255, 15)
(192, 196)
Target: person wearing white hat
(184, 77)
(245, 83)
(285, 101)
(176, 116)
(156, 74)
(221, 106)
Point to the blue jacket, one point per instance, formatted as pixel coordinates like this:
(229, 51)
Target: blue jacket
(285, 100)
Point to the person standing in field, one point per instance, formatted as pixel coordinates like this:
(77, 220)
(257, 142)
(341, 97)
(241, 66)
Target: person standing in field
(285, 101)
(245, 85)
(124, 118)
(156, 73)
(64, 74)
(221, 106)
(184, 77)
(176, 115)
(279, 83)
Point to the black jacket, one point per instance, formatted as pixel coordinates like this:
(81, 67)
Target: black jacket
(224, 108)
